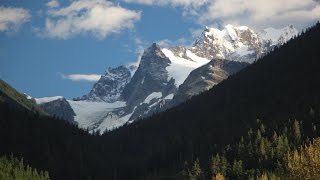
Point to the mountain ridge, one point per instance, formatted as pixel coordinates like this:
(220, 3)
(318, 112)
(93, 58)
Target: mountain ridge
(168, 70)
(17, 99)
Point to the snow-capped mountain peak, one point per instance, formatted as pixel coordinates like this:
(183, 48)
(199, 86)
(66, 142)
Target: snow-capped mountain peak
(278, 36)
(240, 43)
(229, 43)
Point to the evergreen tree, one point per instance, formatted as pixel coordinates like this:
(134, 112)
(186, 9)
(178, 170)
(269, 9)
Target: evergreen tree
(219, 164)
(296, 132)
(262, 148)
(237, 169)
(195, 173)
(262, 128)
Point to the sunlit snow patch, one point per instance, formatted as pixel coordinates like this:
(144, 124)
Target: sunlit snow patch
(180, 68)
(47, 99)
(170, 96)
(152, 96)
(91, 114)
(112, 122)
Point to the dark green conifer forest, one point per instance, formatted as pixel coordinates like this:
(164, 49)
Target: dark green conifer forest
(261, 123)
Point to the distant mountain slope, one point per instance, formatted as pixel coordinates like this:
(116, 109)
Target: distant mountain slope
(205, 77)
(9, 94)
(53, 106)
(58, 107)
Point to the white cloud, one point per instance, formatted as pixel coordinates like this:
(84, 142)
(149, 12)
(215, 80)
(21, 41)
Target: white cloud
(184, 3)
(190, 8)
(81, 77)
(53, 4)
(140, 46)
(257, 14)
(195, 33)
(12, 18)
(96, 17)
(262, 13)
(164, 43)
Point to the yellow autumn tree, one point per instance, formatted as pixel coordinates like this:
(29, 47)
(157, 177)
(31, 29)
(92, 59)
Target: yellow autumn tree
(305, 162)
(219, 177)
(268, 176)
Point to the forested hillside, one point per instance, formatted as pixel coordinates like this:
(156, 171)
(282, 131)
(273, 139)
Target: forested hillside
(20, 101)
(247, 126)
(12, 168)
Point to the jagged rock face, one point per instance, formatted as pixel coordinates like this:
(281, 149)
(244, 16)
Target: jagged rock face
(151, 76)
(180, 51)
(236, 43)
(206, 77)
(110, 85)
(59, 108)
(240, 43)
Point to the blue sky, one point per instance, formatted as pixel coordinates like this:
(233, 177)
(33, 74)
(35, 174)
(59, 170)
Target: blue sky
(50, 48)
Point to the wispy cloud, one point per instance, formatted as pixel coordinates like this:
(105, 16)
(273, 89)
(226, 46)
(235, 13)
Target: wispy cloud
(170, 43)
(184, 3)
(12, 18)
(190, 8)
(53, 4)
(95, 17)
(81, 77)
(257, 14)
(261, 13)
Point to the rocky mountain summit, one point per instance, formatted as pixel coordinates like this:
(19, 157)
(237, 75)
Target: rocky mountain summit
(151, 76)
(236, 43)
(205, 77)
(110, 85)
(58, 107)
